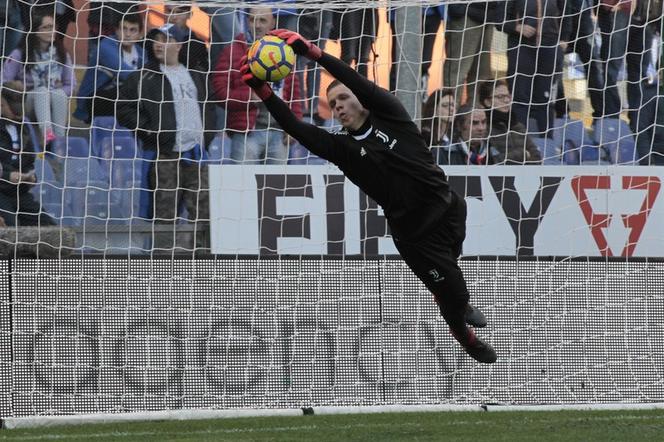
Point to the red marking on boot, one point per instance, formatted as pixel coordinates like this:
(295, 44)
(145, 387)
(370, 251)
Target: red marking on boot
(469, 340)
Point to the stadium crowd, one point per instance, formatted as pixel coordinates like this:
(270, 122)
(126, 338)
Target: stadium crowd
(180, 99)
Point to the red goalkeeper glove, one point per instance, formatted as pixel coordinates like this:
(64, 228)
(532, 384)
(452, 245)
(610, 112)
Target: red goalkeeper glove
(260, 87)
(300, 45)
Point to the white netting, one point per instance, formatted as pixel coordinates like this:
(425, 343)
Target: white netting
(144, 162)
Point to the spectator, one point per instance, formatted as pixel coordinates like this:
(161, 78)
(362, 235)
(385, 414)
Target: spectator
(507, 137)
(432, 17)
(120, 54)
(314, 25)
(642, 79)
(581, 25)
(255, 135)
(63, 11)
(225, 23)
(534, 57)
(469, 143)
(437, 117)
(286, 18)
(167, 105)
(613, 18)
(468, 37)
(42, 68)
(657, 153)
(356, 29)
(194, 54)
(627, 29)
(17, 205)
(103, 19)
(10, 19)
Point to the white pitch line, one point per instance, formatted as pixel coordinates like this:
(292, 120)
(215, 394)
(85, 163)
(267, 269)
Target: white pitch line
(126, 434)
(122, 434)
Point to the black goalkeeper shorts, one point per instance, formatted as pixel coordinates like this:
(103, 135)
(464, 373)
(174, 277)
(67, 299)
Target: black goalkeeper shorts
(433, 258)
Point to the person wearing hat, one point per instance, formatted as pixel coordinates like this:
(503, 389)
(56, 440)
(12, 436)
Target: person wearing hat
(167, 105)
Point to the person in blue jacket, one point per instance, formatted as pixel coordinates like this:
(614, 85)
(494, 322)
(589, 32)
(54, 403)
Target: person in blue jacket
(119, 55)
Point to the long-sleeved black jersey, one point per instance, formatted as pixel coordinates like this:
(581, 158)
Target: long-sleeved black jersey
(387, 158)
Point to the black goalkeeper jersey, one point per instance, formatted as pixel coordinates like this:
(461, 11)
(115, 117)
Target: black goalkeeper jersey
(387, 158)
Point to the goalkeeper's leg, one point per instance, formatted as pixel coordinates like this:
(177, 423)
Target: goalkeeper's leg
(436, 266)
(452, 298)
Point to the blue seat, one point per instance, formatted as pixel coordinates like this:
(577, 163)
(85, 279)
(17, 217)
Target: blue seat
(551, 151)
(129, 184)
(77, 147)
(43, 170)
(533, 128)
(73, 202)
(83, 179)
(592, 155)
(58, 149)
(105, 127)
(34, 138)
(51, 199)
(118, 147)
(219, 150)
(297, 154)
(577, 143)
(86, 205)
(97, 203)
(145, 198)
(315, 159)
(79, 171)
(47, 191)
(122, 162)
(616, 138)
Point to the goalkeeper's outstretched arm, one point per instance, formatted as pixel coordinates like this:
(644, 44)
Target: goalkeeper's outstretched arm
(372, 97)
(317, 140)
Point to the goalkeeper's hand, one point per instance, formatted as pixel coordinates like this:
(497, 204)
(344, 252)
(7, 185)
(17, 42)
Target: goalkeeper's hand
(300, 45)
(260, 87)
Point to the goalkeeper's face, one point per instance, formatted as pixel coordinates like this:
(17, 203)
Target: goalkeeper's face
(346, 108)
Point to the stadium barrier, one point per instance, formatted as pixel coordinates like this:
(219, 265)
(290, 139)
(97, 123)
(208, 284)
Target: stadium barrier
(131, 336)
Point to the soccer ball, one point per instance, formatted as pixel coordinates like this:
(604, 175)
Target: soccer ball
(271, 59)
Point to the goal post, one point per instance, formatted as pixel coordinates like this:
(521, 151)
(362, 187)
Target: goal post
(279, 289)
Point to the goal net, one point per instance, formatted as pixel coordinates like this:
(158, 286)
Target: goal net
(168, 247)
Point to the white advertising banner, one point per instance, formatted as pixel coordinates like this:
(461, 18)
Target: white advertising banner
(108, 336)
(525, 211)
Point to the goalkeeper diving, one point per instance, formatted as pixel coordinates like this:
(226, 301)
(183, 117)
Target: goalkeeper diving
(381, 150)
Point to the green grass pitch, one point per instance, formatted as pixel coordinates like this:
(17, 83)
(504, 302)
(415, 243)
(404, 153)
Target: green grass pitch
(540, 426)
